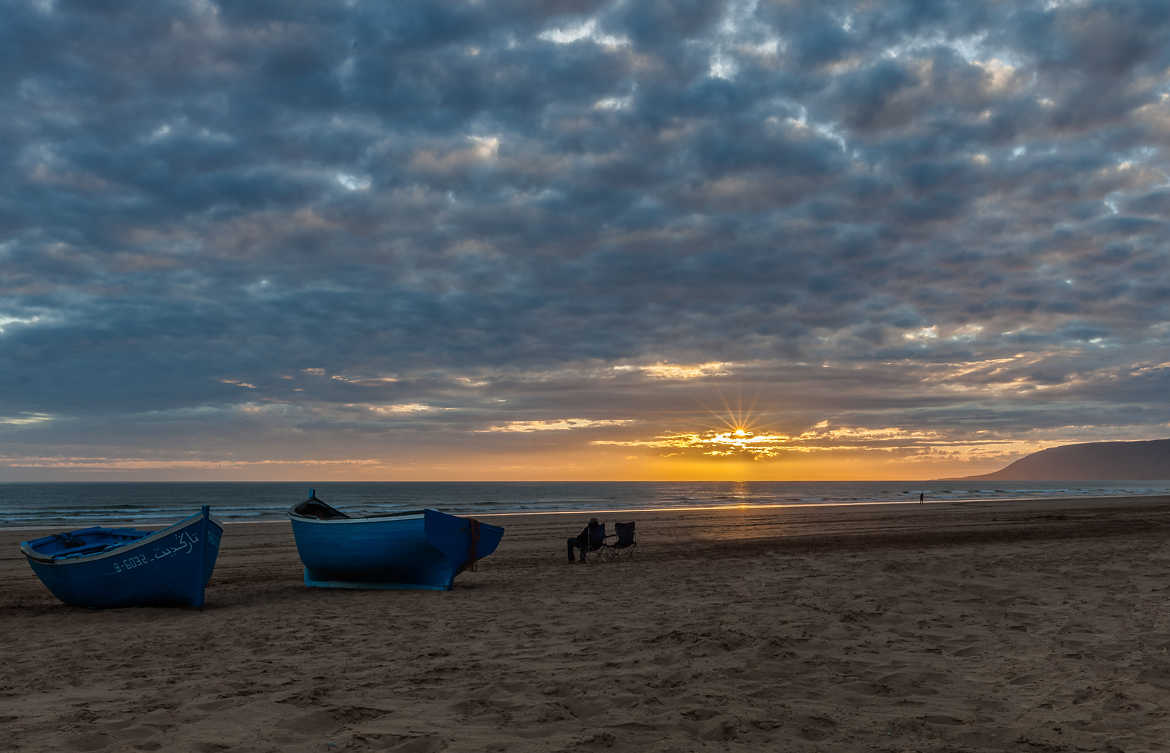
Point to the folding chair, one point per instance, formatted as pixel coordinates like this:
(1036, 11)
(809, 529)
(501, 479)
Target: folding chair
(626, 542)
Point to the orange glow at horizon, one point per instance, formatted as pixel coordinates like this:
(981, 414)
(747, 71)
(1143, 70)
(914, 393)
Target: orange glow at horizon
(567, 464)
(736, 448)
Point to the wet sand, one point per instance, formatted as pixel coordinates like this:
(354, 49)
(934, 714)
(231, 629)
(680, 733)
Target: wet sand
(990, 626)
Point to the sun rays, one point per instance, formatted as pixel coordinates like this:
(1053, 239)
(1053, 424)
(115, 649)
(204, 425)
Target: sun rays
(735, 432)
(738, 420)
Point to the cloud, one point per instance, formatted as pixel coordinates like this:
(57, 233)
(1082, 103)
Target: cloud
(560, 424)
(377, 381)
(759, 445)
(935, 217)
(108, 464)
(679, 371)
(395, 409)
(25, 419)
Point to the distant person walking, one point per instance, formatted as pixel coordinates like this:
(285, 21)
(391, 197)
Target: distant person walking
(921, 497)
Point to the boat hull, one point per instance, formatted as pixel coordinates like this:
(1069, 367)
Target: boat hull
(170, 567)
(422, 550)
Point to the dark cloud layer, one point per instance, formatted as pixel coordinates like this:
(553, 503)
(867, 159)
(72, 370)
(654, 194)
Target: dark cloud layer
(355, 229)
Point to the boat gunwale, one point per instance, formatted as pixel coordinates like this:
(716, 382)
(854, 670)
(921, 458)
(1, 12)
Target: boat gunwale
(376, 518)
(45, 559)
(379, 517)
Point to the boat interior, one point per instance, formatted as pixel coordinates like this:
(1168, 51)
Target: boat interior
(85, 542)
(315, 508)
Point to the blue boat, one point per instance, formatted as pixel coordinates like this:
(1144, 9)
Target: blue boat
(126, 567)
(417, 549)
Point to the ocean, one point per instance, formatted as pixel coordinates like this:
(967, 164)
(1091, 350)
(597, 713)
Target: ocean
(24, 505)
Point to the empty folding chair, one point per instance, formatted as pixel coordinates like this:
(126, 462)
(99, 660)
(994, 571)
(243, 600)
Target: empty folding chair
(623, 541)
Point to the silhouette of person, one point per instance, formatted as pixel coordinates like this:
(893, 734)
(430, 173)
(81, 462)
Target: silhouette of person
(591, 537)
(921, 497)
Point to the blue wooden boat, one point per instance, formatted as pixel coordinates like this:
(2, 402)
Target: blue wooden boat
(417, 549)
(126, 567)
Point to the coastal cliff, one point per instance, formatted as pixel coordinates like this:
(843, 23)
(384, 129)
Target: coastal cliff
(1094, 461)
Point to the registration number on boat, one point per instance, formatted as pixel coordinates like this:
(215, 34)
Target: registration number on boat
(130, 563)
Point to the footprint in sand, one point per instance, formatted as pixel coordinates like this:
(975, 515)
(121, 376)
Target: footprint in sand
(423, 744)
(815, 728)
(723, 729)
(89, 741)
(314, 722)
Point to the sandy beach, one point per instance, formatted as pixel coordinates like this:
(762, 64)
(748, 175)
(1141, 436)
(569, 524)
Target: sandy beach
(1030, 626)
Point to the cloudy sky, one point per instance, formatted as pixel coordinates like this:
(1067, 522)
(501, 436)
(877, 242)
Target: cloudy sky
(579, 240)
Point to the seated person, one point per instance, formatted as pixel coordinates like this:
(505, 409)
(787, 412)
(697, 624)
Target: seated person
(590, 539)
